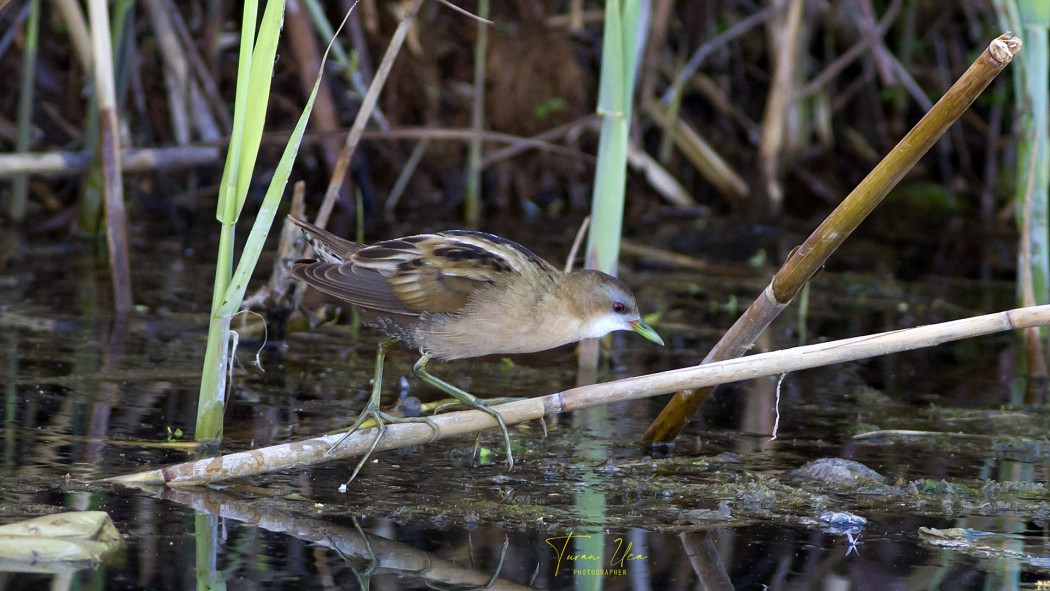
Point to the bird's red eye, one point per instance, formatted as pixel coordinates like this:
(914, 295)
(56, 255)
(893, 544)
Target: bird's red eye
(619, 308)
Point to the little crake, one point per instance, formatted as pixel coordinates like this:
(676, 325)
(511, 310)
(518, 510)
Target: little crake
(460, 294)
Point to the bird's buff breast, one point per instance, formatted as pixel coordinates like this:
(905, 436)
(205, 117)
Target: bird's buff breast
(453, 338)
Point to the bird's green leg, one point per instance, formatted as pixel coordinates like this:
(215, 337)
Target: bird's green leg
(371, 410)
(466, 399)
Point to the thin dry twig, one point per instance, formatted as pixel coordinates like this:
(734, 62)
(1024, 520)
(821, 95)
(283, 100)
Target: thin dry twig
(466, 13)
(404, 176)
(571, 259)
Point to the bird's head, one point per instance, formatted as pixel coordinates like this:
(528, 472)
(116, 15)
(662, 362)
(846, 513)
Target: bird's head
(605, 304)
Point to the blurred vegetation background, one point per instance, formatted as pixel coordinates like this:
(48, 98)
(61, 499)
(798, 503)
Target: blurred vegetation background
(750, 117)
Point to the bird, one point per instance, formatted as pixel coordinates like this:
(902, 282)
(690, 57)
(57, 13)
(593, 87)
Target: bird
(459, 294)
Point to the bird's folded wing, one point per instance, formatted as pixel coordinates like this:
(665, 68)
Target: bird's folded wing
(428, 273)
(395, 284)
(361, 287)
(435, 273)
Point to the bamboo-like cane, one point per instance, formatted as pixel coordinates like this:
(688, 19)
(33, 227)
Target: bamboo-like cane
(811, 255)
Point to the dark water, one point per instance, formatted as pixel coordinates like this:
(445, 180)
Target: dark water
(88, 396)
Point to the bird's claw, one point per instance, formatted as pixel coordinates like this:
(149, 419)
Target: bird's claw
(484, 406)
(381, 420)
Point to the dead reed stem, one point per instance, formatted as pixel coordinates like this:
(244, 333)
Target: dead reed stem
(806, 259)
(313, 451)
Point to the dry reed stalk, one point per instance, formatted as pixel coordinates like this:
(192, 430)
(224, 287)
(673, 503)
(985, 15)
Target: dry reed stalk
(702, 155)
(658, 177)
(781, 108)
(810, 256)
(131, 160)
(109, 151)
(316, 450)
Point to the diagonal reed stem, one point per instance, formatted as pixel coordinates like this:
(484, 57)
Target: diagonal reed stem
(810, 256)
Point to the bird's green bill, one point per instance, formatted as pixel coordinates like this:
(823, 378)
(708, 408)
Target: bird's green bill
(646, 331)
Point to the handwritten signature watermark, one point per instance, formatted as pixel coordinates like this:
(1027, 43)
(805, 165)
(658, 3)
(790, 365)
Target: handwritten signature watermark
(590, 564)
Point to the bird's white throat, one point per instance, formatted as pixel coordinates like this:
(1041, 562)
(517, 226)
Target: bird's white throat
(604, 324)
